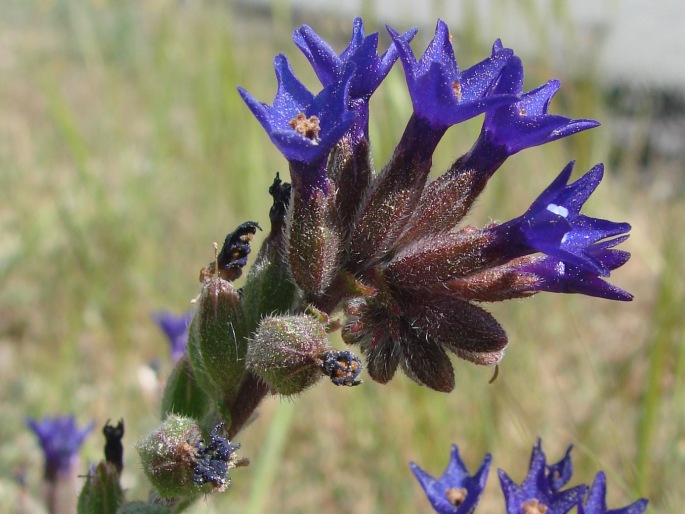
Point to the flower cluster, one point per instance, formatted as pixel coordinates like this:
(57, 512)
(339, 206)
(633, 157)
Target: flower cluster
(388, 247)
(458, 492)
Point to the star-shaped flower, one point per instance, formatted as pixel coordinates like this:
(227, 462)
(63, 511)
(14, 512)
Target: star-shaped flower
(60, 438)
(554, 226)
(455, 491)
(305, 127)
(526, 122)
(538, 493)
(370, 68)
(443, 94)
(596, 500)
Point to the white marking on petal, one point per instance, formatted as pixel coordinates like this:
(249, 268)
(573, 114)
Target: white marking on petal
(559, 210)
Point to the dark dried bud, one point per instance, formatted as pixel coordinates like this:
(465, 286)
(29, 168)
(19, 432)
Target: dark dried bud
(114, 450)
(233, 255)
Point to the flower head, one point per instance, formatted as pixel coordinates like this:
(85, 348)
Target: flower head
(305, 127)
(456, 491)
(596, 500)
(539, 490)
(176, 330)
(440, 92)
(60, 438)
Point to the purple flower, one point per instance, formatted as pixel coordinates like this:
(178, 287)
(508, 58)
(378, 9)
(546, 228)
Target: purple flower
(370, 69)
(513, 127)
(596, 500)
(456, 491)
(539, 489)
(440, 92)
(176, 330)
(305, 127)
(60, 440)
(554, 226)
(556, 276)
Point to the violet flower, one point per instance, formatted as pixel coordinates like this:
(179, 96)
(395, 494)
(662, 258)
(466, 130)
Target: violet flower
(176, 330)
(305, 127)
(556, 276)
(596, 500)
(60, 438)
(440, 92)
(508, 129)
(554, 226)
(538, 490)
(455, 491)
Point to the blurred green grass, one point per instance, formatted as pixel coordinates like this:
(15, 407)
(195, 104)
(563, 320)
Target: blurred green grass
(125, 152)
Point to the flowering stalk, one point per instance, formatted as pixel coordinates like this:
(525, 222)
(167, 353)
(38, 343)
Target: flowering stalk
(382, 255)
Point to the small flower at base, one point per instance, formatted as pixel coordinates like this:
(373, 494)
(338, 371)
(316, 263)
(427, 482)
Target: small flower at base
(178, 462)
(539, 492)
(596, 500)
(456, 491)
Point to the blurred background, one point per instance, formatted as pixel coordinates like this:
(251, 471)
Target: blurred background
(125, 151)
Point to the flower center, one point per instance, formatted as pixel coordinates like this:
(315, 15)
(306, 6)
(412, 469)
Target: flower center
(308, 127)
(533, 507)
(456, 495)
(456, 87)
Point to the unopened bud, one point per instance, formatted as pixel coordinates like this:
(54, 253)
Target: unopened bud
(312, 243)
(101, 492)
(178, 462)
(291, 353)
(216, 340)
(287, 352)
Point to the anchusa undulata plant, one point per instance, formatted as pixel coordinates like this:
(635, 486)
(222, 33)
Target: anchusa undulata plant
(382, 255)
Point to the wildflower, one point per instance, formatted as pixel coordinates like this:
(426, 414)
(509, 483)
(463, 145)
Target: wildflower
(539, 492)
(596, 500)
(60, 438)
(455, 491)
(305, 127)
(440, 92)
(176, 330)
(370, 68)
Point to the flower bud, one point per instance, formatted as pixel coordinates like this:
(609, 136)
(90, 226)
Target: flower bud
(102, 491)
(287, 352)
(312, 244)
(178, 462)
(217, 341)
